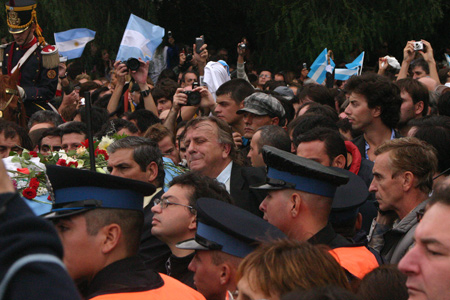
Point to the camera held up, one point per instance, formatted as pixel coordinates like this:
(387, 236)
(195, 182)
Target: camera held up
(133, 64)
(194, 98)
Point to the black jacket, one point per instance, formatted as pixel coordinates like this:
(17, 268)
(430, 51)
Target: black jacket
(240, 181)
(23, 233)
(153, 251)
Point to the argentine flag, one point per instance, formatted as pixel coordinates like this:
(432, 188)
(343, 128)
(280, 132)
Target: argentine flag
(357, 63)
(140, 40)
(71, 43)
(344, 74)
(447, 58)
(318, 68)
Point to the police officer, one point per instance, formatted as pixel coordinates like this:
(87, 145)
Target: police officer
(99, 219)
(30, 55)
(299, 201)
(225, 235)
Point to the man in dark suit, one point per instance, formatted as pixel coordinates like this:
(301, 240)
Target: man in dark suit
(210, 150)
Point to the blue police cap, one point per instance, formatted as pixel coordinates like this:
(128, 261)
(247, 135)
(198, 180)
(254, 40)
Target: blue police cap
(348, 198)
(228, 228)
(289, 171)
(76, 191)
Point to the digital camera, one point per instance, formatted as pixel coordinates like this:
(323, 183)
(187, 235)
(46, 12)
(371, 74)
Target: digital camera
(418, 46)
(194, 98)
(133, 64)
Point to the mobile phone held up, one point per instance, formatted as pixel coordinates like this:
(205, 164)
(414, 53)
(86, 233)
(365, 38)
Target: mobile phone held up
(199, 42)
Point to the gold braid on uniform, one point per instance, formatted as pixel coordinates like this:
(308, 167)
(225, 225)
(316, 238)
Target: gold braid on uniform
(33, 19)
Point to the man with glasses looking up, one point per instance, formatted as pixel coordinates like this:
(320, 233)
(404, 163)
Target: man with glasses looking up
(263, 77)
(175, 219)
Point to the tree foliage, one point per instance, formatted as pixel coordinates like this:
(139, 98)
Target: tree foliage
(282, 33)
(294, 31)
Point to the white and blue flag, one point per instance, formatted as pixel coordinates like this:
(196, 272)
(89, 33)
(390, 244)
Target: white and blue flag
(71, 43)
(318, 68)
(447, 58)
(357, 63)
(140, 40)
(344, 74)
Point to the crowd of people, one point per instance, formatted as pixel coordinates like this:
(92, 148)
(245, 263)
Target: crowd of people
(227, 181)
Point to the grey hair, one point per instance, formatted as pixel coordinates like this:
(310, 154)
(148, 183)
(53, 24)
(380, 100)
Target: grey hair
(145, 152)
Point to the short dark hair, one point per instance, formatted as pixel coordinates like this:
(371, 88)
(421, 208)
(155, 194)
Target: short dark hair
(444, 104)
(74, 127)
(378, 91)
(158, 93)
(238, 89)
(317, 93)
(420, 62)
(45, 116)
(145, 151)
(10, 130)
(87, 86)
(168, 86)
(167, 73)
(55, 131)
(272, 84)
(130, 221)
(274, 136)
(320, 109)
(390, 278)
(308, 122)
(96, 94)
(334, 143)
(202, 186)
(436, 132)
(115, 125)
(99, 116)
(183, 76)
(417, 91)
(144, 119)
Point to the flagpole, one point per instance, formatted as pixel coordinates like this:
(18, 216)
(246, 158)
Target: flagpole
(362, 62)
(87, 97)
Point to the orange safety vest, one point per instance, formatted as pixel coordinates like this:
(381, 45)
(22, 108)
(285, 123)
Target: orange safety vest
(171, 290)
(357, 260)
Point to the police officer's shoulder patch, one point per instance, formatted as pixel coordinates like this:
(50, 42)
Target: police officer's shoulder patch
(51, 74)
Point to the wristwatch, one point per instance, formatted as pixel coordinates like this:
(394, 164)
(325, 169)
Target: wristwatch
(62, 77)
(145, 93)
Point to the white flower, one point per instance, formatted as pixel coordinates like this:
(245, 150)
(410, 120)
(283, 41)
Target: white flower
(81, 150)
(105, 142)
(41, 191)
(62, 155)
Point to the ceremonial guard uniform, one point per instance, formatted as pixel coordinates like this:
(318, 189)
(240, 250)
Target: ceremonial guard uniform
(39, 66)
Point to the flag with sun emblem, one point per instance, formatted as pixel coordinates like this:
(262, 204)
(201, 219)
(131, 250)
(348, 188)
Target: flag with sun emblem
(71, 43)
(140, 39)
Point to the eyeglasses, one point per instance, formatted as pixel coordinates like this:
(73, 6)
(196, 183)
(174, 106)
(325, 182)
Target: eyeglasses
(165, 203)
(419, 214)
(264, 75)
